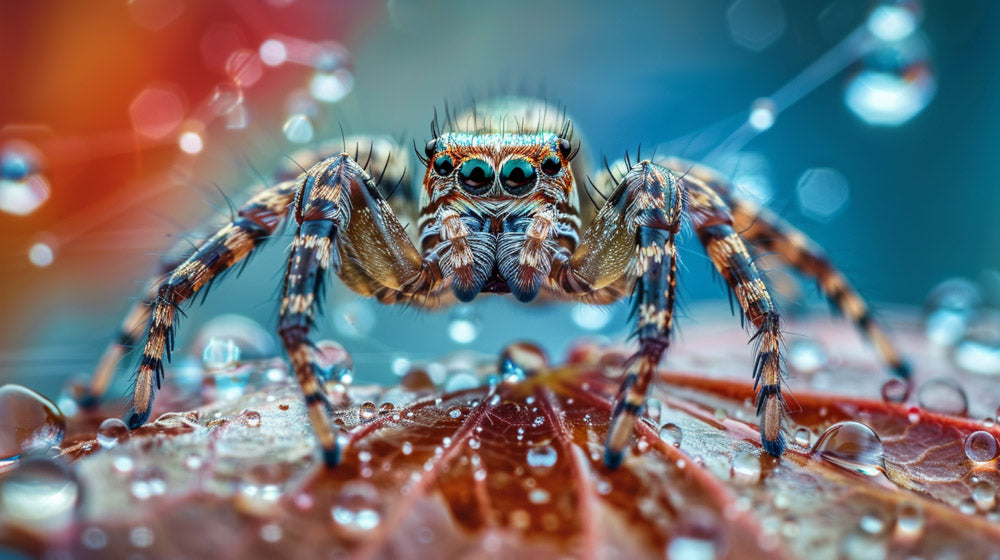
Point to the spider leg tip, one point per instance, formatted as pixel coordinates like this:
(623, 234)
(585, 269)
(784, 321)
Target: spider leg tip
(613, 458)
(775, 448)
(331, 457)
(135, 419)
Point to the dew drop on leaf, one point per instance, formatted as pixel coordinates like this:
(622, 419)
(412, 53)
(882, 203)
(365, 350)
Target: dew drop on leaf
(111, 432)
(746, 468)
(28, 422)
(671, 433)
(852, 446)
(367, 411)
(251, 418)
(895, 391)
(803, 437)
(981, 446)
(220, 354)
(944, 396)
(358, 508)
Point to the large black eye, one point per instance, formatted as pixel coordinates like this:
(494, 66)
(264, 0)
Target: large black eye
(476, 175)
(431, 147)
(565, 148)
(551, 165)
(443, 165)
(518, 176)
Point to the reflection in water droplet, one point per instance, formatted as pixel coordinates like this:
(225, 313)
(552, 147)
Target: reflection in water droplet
(367, 411)
(521, 360)
(111, 432)
(909, 521)
(542, 458)
(251, 418)
(333, 362)
(746, 468)
(981, 446)
(803, 437)
(357, 509)
(806, 356)
(944, 396)
(671, 433)
(220, 354)
(28, 422)
(40, 492)
(895, 390)
(894, 84)
(852, 446)
(984, 495)
(298, 129)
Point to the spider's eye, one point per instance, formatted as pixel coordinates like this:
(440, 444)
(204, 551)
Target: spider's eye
(565, 148)
(431, 147)
(518, 176)
(476, 175)
(443, 165)
(551, 165)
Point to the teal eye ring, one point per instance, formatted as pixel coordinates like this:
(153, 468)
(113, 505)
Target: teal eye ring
(443, 166)
(476, 175)
(518, 176)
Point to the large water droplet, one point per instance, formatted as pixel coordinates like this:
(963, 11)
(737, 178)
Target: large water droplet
(220, 354)
(672, 434)
(746, 468)
(896, 390)
(39, 493)
(522, 360)
(981, 446)
(28, 422)
(803, 437)
(357, 509)
(367, 411)
(894, 84)
(111, 432)
(944, 396)
(542, 458)
(852, 446)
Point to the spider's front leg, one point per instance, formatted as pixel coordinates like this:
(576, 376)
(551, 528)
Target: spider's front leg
(632, 238)
(343, 224)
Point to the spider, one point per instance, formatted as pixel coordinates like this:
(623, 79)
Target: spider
(499, 212)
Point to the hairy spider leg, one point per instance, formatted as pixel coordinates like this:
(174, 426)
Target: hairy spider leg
(253, 224)
(344, 224)
(713, 222)
(636, 226)
(765, 230)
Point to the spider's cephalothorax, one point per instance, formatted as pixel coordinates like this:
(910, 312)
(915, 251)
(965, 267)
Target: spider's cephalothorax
(500, 212)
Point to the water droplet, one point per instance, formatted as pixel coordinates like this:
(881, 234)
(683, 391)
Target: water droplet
(250, 418)
(333, 362)
(22, 188)
(691, 548)
(367, 411)
(944, 396)
(894, 84)
(331, 87)
(654, 409)
(852, 446)
(39, 493)
(538, 496)
(406, 448)
(763, 113)
(111, 432)
(542, 458)
(463, 324)
(896, 390)
(357, 509)
(981, 446)
(893, 21)
(28, 422)
(220, 355)
(522, 360)
(803, 437)
(671, 433)
(41, 254)
(823, 193)
(591, 317)
(455, 412)
(460, 381)
(298, 129)
(746, 468)
(984, 495)
(872, 523)
(909, 521)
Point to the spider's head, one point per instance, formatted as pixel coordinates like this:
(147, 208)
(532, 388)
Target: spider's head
(490, 173)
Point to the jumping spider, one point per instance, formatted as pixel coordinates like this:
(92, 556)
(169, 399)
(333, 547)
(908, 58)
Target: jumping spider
(499, 212)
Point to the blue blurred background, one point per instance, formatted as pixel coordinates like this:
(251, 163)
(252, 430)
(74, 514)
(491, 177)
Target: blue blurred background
(885, 153)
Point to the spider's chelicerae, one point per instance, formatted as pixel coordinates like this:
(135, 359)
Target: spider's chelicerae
(500, 211)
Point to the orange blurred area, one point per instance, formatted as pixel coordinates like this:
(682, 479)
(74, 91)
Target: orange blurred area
(96, 98)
